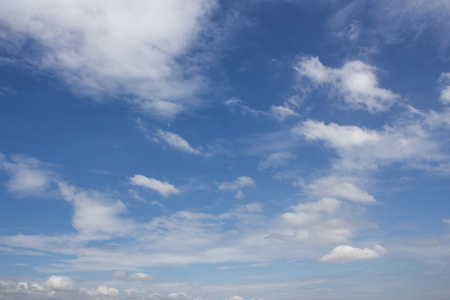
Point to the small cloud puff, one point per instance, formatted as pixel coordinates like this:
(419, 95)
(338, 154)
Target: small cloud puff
(343, 254)
(237, 185)
(137, 276)
(177, 142)
(164, 188)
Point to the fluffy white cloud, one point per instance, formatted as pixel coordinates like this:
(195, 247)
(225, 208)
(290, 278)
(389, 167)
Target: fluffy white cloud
(28, 175)
(340, 187)
(355, 81)
(342, 254)
(164, 188)
(360, 148)
(177, 142)
(61, 283)
(127, 48)
(96, 216)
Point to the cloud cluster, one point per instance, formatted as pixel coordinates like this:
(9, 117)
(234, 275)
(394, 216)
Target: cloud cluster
(355, 82)
(131, 49)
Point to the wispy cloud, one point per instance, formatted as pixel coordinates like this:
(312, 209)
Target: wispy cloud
(164, 188)
(177, 142)
(237, 185)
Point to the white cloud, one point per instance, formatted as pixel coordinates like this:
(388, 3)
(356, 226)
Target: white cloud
(28, 175)
(95, 215)
(359, 148)
(340, 187)
(444, 80)
(447, 221)
(132, 49)
(343, 254)
(282, 112)
(100, 291)
(164, 188)
(177, 142)
(311, 212)
(143, 276)
(275, 160)
(239, 183)
(61, 283)
(119, 274)
(355, 81)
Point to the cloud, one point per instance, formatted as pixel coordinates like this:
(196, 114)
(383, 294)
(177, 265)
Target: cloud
(319, 222)
(340, 187)
(275, 160)
(177, 142)
(28, 175)
(95, 215)
(409, 142)
(164, 188)
(282, 112)
(444, 80)
(355, 82)
(130, 49)
(119, 274)
(447, 221)
(237, 185)
(143, 276)
(343, 254)
(61, 283)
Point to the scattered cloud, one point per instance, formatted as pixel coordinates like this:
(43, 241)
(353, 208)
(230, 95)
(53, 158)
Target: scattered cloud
(177, 142)
(61, 283)
(339, 187)
(143, 276)
(237, 185)
(343, 254)
(28, 175)
(447, 221)
(164, 188)
(282, 112)
(355, 82)
(275, 160)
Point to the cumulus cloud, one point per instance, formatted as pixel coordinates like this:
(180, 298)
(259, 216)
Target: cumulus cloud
(64, 283)
(317, 222)
(28, 175)
(343, 254)
(339, 187)
(177, 142)
(141, 58)
(355, 82)
(164, 188)
(95, 215)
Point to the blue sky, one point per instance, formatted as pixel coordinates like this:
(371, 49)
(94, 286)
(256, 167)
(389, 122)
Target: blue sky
(224, 149)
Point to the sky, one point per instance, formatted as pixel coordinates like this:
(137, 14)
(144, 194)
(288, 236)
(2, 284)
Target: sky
(230, 150)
